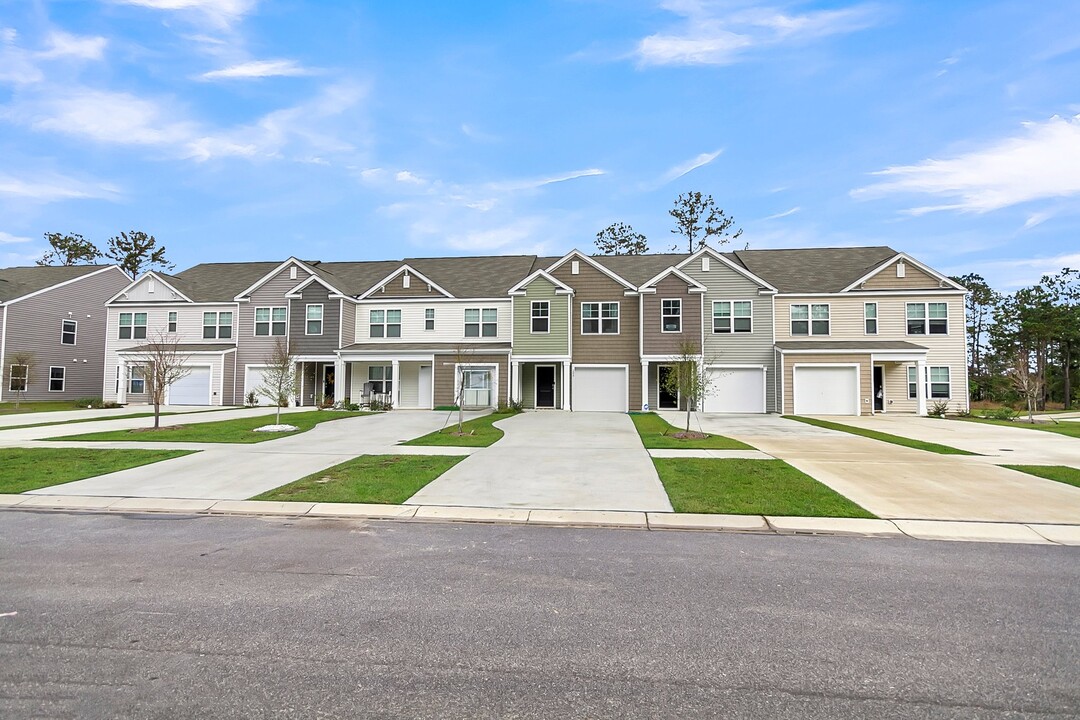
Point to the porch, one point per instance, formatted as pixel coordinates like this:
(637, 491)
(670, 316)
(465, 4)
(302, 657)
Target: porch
(541, 384)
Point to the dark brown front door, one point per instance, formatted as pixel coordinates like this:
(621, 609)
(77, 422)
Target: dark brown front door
(666, 399)
(328, 382)
(545, 386)
(879, 390)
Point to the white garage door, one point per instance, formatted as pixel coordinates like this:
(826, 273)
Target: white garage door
(599, 389)
(192, 389)
(826, 391)
(255, 379)
(736, 390)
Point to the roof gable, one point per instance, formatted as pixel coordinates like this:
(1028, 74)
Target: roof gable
(588, 260)
(272, 274)
(726, 261)
(408, 270)
(560, 287)
(19, 283)
(907, 260)
(149, 278)
(811, 270)
(692, 284)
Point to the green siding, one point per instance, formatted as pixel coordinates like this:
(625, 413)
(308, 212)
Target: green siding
(556, 341)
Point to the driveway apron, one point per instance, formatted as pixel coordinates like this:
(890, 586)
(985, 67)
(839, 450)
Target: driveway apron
(238, 472)
(555, 460)
(893, 481)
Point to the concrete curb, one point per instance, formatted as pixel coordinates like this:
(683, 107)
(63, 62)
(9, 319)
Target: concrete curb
(1026, 533)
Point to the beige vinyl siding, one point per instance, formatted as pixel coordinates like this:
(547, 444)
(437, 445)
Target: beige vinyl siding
(846, 318)
(654, 340)
(866, 379)
(449, 321)
(556, 340)
(914, 279)
(755, 348)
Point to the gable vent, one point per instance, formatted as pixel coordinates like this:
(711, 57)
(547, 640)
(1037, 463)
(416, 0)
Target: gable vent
(292, 272)
(900, 269)
(405, 281)
(150, 285)
(705, 264)
(575, 267)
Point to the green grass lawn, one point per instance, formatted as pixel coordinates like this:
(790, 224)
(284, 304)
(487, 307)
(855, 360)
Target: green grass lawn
(1060, 473)
(223, 431)
(481, 433)
(8, 408)
(1066, 428)
(387, 479)
(749, 487)
(23, 469)
(884, 437)
(656, 434)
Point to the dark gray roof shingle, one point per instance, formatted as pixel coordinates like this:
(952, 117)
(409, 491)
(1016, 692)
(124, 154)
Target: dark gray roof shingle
(15, 282)
(812, 270)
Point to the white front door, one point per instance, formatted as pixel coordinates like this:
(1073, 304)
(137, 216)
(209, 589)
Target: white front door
(826, 390)
(423, 392)
(192, 389)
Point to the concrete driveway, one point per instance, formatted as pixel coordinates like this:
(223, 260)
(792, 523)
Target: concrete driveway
(898, 482)
(238, 472)
(555, 460)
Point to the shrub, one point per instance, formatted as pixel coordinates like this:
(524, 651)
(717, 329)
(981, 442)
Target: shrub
(510, 408)
(1001, 413)
(88, 402)
(252, 399)
(377, 405)
(938, 409)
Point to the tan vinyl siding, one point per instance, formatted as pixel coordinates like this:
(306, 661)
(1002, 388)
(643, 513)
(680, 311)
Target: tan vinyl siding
(654, 340)
(591, 285)
(866, 378)
(914, 279)
(755, 348)
(846, 319)
(556, 340)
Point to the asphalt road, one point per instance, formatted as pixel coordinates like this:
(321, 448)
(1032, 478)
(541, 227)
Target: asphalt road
(210, 617)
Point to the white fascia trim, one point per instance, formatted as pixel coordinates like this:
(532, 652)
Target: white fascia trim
(745, 366)
(540, 358)
(593, 263)
(147, 353)
(869, 294)
(405, 267)
(694, 285)
(855, 351)
(907, 259)
(741, 270)
(163, 281)
(266, 278)
(130, 305)
(294, 293)
(505, 301)
(520, 287)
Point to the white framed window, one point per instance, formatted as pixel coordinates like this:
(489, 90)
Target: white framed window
(69, 331)
(928, 318)
(810, 319)
(940, 383)
(132, 326)
(481, 322)
(671, 316)
(870, 318)
(540, 317)
(912, 382)
(56, 378)
(385, 323)
(381, 378)
(313, 323)
(733, 316)
(429, 318)
(18, 378)
(599, 318)
(136, 380)
(217, 325)
(270, 321)
(172, 322)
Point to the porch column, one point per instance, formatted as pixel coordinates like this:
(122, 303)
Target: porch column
(121, 391)
(515, 381)
(566, 385)
(920, 385)
(395, 387)
(645, 385)
(340, 390)
(303, 393)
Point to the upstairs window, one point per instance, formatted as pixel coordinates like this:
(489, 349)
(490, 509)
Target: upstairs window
(541, 316)
(172, 322)
(429, 319)
(217, 325)
(313, 323)
(810, 319)
(270, 321)
(870, 318)
(928, 318)
(132, 326)
(671, 316)
(68, 332)
(733, 317)
(481, 322)
(385, 323)
(600, 318)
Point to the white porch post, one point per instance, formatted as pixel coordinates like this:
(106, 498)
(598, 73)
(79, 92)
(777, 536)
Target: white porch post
(515, 381)
(121, 391)
(395, 387)
(303, 390)
(920, 385)
(340, 391)
(566, 385)
(645, 384)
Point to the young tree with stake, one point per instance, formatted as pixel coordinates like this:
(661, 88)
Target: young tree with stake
(163, 363)
(689, 378)
(279, 377)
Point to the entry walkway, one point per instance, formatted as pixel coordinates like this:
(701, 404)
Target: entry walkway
(555, 460)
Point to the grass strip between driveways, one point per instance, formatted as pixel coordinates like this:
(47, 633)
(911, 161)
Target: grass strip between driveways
(749, 487)
(656, 434)
(479, 432)
(240, 430)
(386, 479)
(1068, 428)
(8, 408)
(23, 469)
(884, 437)
(1059, 473)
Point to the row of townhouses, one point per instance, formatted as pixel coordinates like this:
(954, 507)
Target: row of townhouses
(837, 331)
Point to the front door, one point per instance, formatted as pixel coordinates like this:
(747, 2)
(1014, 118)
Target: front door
(667, 400)
(423, 385)
(328, 382)
(879, 390)
(545, 386)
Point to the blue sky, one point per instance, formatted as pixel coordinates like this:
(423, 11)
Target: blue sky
(254, 130)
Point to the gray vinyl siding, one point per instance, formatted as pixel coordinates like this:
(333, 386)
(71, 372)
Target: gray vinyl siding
(304, 344)
(348, 322)
(755, 348)
(34, 326)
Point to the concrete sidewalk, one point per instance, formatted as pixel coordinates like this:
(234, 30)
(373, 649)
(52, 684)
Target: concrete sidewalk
(1029, 533)
(61, 416)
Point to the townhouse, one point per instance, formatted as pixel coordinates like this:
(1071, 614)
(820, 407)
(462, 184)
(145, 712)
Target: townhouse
(844, 331)
(56, 317)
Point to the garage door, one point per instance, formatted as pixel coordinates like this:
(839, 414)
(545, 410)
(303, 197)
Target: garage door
(736, 390)
(826, 391)
(255, 379)
(598, 389)
(192, 389)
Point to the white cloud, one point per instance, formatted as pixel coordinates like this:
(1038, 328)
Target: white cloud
(62, 44)
(1013, 273)
(221, 13)
(50, 187)
(784, 214)
(712, 34)
(259, 69)
(407, 177)
(689, 166)
(9, 239)
(1041, 163)
(16, 64)
(534, 183)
